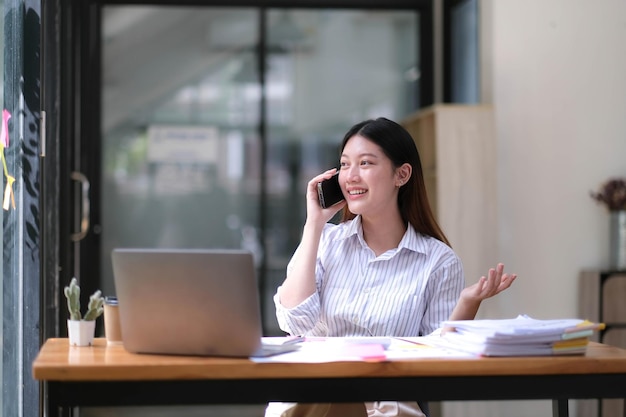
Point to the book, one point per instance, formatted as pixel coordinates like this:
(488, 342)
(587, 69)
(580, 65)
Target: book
(521, 336)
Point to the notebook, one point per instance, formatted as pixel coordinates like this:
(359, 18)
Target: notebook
(190, 302)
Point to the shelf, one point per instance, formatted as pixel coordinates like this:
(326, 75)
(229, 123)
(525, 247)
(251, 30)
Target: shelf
(601, 299)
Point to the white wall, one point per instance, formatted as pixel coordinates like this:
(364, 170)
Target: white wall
(555, 72)
(559, 93)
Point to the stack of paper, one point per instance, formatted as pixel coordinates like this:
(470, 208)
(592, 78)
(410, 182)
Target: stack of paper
(521, 336)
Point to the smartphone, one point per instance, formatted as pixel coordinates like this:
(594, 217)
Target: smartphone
(329, 191)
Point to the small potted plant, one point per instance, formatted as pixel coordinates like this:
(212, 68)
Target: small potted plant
(81, 329)
(612, 195)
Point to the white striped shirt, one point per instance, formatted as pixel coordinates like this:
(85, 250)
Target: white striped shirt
(407, 291)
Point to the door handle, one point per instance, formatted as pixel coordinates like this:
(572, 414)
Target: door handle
(84, 220)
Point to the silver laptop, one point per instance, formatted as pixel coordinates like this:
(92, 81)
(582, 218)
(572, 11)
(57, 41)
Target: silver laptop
(189, 302)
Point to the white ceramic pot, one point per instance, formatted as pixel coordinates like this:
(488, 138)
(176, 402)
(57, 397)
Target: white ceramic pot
(81, 332)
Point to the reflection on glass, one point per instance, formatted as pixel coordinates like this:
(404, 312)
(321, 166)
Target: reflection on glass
(181, 150)
(326, 71)
(464, 54)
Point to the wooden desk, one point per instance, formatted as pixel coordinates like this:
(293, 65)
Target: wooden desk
(104, 375)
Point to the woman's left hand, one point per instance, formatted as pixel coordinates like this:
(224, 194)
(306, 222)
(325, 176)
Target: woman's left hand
(494, 283)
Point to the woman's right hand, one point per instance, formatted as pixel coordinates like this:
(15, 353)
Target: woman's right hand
(300, 281)
(315, 212)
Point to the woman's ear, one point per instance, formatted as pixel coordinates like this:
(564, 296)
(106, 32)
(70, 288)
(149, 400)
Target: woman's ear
(403, 174)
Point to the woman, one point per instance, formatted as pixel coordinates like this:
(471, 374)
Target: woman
(387, 268)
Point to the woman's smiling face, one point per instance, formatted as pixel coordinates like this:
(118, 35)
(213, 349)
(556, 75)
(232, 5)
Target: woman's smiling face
(368, 178)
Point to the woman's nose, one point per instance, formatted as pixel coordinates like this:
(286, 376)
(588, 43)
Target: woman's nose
(352, 174)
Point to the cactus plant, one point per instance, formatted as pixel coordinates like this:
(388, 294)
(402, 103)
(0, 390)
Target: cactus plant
(95, 306)
(94, 309)
(72, 293)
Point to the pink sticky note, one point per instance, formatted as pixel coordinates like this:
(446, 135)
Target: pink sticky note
(366, 351)
(4, 135)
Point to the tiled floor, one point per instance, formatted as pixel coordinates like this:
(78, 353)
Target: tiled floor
(191, 411)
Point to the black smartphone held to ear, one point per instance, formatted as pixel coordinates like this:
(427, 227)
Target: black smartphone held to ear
(329, 191)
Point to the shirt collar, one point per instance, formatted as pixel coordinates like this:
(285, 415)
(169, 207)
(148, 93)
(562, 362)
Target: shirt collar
(411, 240)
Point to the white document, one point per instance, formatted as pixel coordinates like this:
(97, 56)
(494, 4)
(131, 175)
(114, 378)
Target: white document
(340, 349)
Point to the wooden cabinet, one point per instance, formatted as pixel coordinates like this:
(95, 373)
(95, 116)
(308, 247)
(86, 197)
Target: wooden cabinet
(458, 153)
(602, 298)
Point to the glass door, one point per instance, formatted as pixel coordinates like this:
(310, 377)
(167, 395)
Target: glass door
(213, 119)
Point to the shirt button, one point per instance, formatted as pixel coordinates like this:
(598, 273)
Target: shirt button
(355, 319)
(366, 290)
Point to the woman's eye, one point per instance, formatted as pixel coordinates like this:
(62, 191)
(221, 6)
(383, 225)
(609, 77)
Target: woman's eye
(365, 163)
